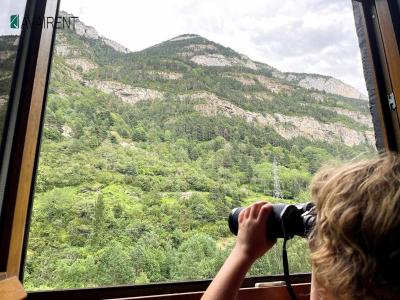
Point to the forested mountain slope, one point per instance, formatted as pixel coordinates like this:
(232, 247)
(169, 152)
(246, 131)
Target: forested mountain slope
(145, 153)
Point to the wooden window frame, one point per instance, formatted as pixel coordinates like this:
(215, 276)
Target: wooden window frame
(21, 143)
(159, 290)
(22, 132)
(383, 50)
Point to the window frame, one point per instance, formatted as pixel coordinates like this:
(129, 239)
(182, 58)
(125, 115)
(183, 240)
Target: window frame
(152, 289)
(22, 143)
(380, 31)
(21, 134)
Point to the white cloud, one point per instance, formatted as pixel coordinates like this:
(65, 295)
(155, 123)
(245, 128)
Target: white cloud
(314, 36)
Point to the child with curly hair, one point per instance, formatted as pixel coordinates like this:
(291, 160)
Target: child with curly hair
(355, 244)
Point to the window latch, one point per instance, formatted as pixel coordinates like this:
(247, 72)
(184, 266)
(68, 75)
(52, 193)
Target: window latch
(392, 101)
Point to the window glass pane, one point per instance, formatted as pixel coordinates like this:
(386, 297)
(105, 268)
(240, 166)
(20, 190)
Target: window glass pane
(164, 115)
(11, 17)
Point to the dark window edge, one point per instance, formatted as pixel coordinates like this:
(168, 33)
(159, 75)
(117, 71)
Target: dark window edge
(153, 288)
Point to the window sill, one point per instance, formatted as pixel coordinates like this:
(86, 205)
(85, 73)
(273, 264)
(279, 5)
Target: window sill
(186, 288)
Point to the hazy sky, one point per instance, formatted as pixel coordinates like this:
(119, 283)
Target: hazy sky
(313, 36)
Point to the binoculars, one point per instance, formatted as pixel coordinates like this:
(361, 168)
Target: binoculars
(284, 221)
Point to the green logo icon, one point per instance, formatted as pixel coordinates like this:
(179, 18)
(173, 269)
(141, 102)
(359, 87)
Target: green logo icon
(14, 21)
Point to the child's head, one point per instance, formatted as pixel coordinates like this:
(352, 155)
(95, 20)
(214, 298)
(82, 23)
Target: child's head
(355, 247)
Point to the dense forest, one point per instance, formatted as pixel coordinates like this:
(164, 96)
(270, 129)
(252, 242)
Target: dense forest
(144, 154)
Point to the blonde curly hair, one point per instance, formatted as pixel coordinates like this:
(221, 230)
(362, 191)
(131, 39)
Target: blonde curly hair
(355, 245)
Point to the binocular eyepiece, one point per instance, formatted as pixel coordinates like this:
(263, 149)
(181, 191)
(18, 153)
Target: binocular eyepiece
(284, 221)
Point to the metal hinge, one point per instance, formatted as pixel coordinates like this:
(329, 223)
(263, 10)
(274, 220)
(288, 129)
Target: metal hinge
(392, 101)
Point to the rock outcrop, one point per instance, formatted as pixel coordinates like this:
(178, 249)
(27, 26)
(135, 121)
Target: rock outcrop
(83, 30)
(287, 126)
(115, 45)
(322, 83)
(220, 60)
(86, 31)
(184, 37)
(66, 131)
(81, 64)
(126, 92)
(356, 116)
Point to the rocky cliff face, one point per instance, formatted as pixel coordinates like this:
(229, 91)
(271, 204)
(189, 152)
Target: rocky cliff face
(219, 60)
(115, 45)
(85, 31)
(322, 83)
(127, 93)
(287, 126)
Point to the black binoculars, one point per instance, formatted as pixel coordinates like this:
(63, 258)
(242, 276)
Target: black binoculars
(284, 221)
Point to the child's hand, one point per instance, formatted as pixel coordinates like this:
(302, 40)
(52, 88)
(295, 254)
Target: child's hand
(251, 240)
(251, 243)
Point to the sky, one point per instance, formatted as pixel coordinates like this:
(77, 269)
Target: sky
(310, 36)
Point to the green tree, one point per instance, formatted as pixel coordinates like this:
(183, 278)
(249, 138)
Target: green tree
(195, 258)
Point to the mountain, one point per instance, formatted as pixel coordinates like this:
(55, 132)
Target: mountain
(145, 153)
(190, 66)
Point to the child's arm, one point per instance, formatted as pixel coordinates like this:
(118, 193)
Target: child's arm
(251, 243)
